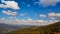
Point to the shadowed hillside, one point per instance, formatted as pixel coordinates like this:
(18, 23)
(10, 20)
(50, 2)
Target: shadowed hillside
(49, 29)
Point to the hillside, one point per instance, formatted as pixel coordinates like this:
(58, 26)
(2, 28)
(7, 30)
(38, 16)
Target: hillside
(49, 29)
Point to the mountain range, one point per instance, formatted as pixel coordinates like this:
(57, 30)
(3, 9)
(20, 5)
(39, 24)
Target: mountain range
(4, 28)
(49, 29)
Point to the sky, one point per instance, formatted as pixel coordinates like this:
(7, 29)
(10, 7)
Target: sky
(29, 12)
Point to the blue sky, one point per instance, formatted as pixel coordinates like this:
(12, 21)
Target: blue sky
(38, 10)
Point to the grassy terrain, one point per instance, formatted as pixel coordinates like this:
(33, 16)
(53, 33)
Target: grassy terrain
(49, 29)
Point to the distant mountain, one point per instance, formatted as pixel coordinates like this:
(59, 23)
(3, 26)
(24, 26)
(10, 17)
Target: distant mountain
(49, 29)
(4, 28)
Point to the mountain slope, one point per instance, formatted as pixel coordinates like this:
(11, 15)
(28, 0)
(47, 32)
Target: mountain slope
(49, 29)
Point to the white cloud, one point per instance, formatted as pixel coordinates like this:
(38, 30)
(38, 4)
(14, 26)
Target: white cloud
(27, 22)
(9, 13)
(23, 21)
(53, 21)
(17, 20)
(42, 15)
(48, 2)
(30, 21)
(54, 16)
(9, 4)
(39, 21)
(51, 14)
(58, 14)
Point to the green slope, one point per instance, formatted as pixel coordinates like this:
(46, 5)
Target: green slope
(49, 29)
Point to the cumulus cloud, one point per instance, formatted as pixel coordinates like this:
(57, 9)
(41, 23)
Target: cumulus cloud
(27, 22)
(54, 16)
(42, 15)
(39, 21)
(23, 21)
(9, 13)
(58, 14)
(53, 19)
(17, 20)
(9, 4)
(30, 19)
(48, 2)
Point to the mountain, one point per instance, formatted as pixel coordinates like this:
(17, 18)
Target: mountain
(49, 29)
(4, 28)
